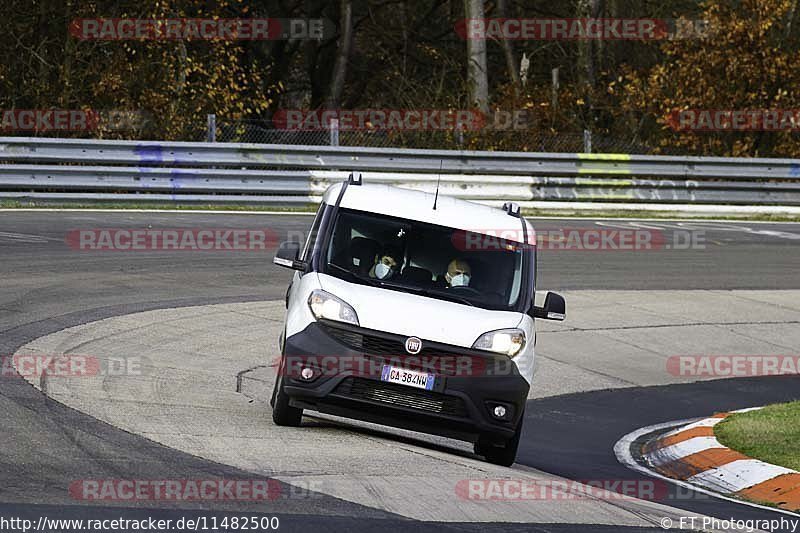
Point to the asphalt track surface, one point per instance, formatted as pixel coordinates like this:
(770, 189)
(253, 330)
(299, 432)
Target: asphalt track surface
(558, 428)
(45, 286)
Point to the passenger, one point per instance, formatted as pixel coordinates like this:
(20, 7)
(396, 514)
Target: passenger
(386, 263)
(458, 273)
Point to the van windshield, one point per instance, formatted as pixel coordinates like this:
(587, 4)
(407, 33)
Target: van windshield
(434, 261)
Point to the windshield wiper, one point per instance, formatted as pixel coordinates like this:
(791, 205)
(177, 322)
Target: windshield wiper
(427, 292)
(403, 288)
(448, 296)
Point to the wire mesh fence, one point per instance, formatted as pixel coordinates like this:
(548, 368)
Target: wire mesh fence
(221, 129)
(265, 132)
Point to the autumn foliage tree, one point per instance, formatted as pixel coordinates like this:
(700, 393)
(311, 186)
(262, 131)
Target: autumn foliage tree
(407, 54)
(169, 84)
(747, 61)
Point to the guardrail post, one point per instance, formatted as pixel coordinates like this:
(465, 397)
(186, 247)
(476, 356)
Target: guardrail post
(335, 132)
(211, 127)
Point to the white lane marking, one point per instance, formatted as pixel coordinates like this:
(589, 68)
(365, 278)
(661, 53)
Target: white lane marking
(778, 234)
(682, 449)
(172, 211)
(622, 450)
(738, 475)
(622, 224)
(701, 226)
(6, 236)
(747, 410)
(665, 221)
(633, 224)
(704, 423)
(706, 226)
(741, 229)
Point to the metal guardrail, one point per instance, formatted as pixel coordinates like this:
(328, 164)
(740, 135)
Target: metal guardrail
(289, 174)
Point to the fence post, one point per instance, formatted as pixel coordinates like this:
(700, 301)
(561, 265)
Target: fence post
(587, 141)
(211, 127)
(334, 132)
(554, 89)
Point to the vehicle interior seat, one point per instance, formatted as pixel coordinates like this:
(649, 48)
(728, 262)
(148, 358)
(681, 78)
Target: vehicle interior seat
(362, 254)
(417, 275)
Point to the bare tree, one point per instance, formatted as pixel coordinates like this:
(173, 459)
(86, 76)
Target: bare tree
(508, 50)
(342, 55)
(789, 18)
(587, 69)
(588, 9)
(477, 76)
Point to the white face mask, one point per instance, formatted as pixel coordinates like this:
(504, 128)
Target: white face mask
(459, 280)
(382, 271)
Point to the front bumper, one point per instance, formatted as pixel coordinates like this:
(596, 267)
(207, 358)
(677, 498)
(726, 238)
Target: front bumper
(347, 363)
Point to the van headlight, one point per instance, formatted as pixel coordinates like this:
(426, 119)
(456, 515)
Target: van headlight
(505, 341)
(326, 305)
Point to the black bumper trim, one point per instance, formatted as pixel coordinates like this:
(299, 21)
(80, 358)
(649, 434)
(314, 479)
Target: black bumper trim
(328, 393)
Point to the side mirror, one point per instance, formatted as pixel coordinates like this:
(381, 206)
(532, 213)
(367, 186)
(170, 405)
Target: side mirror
(287, 254)
(555, 308)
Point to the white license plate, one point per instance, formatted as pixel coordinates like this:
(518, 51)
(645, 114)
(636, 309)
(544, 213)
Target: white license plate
(404, 376)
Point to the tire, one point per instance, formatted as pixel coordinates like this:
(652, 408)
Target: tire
(275, 388)
(284, 414)
(500, 454)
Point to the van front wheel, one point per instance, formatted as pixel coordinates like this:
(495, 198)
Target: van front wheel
(500, 454)
(284, 414)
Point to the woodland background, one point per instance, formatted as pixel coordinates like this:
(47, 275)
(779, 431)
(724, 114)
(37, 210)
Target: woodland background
(406, 54)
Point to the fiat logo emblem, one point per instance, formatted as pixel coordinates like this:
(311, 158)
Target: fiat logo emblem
(413, 345)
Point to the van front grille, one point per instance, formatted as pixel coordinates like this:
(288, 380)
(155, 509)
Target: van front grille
(401, 396)
(371, 344)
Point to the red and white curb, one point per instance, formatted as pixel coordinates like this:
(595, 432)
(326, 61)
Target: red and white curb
(691, 456)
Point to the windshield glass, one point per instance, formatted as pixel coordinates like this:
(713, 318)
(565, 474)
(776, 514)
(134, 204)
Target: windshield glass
(434, 261)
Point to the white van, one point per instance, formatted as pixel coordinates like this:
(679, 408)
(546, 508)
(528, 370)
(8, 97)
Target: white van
(415, 311)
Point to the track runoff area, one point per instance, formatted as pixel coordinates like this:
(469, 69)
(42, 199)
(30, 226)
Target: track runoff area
(170, 350)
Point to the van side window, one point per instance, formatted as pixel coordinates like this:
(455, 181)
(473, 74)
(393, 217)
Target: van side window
(311, 238)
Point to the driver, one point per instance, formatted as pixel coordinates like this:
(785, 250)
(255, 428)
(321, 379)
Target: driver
(386, 262)
(458, 273)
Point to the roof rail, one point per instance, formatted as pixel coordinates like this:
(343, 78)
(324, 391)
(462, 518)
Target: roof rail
(354, 178)
(512, 208)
